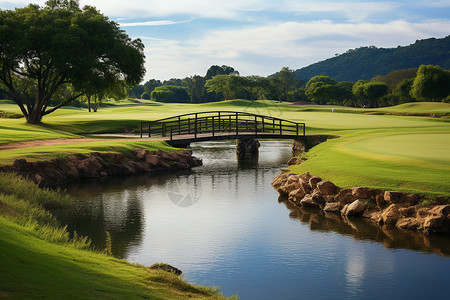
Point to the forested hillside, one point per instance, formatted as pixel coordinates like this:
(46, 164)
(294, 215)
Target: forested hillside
(367, 62)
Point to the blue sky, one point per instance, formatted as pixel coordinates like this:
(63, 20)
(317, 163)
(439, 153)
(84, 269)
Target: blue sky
(259, 37)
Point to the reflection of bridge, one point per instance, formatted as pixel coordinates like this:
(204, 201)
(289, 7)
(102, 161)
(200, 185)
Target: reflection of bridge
(220, 125)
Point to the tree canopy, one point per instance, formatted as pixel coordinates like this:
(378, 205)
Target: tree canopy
(170, 94)
(431, 84)
(44, 50)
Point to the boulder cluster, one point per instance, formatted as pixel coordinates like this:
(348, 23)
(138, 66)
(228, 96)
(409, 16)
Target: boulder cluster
(77, 166)
(383, 207)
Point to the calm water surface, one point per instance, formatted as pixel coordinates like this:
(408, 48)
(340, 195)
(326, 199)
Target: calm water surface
(223, 224)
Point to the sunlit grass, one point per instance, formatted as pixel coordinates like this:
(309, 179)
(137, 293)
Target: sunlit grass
(396, 152)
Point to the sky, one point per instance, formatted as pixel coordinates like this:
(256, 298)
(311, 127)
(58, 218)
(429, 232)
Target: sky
(258, 37)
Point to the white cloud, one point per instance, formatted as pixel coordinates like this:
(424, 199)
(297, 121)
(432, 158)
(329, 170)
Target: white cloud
(353, 11)
(151, 23)
(237, 8)
(265, 49)
(442, 3)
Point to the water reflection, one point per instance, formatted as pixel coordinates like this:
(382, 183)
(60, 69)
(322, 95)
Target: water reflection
(235, 234)
(363, 229)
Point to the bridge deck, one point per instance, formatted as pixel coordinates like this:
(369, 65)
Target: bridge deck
(220, 125)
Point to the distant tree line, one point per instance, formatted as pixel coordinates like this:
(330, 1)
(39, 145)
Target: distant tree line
(426, 83)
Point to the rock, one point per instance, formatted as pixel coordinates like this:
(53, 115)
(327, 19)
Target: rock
(165, 268)
(327, 188)
(318, 198)
(362, 192)
(305, 177)
(305, 187)
(380, 201)
(373, 215)
(393, 197)
(307, 201)
(151, 159)
(407, 211)
(435, 224)
(91, 166)
(412, 199)
(440, 210)
(279, 181)
(390, 215)
(37, 178)
(345, 196)
(196, 162)
(141, 166)
(180, 166)
(167, 156)
(293, 179)
(164, 165)
(296, 195)
(332, 207)
(313, 181)
(356, 208)
(330, 199)
(441, 200)
(408, 223)
(113, 157)
(293, 186)
(293, 161)
(422, 212)
(184, 152)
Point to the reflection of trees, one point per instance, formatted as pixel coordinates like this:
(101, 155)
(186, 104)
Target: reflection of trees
(111, 205)
(363, 229)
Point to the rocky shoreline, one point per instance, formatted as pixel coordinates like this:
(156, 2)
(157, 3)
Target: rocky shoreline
(385, 208)
(60, 171)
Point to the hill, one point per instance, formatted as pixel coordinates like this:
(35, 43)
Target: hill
(367, 62)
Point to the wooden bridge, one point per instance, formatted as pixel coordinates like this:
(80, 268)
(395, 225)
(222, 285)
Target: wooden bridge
(183, 129)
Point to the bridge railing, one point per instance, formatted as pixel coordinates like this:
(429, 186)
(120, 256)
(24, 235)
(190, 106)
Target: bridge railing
(219, 122)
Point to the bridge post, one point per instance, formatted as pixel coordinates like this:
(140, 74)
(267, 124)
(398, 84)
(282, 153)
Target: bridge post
(246, 148)
(237, 124)
(195, 133)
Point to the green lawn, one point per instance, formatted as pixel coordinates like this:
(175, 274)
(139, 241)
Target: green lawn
(390, 151)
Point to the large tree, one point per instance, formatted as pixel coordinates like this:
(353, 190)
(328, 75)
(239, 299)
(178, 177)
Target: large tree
(60, 46)
(431, 84)
(286, 79)
(227, 85)
(369, 93)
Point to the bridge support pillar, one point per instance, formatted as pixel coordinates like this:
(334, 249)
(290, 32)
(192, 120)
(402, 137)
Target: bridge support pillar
(247, 148)
(298, 147)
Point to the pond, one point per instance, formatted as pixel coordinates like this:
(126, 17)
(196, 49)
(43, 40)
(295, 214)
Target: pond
(224, 225)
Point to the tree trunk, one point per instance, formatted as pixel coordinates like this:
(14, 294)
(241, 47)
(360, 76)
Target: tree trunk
(89, 102)
(34, 117)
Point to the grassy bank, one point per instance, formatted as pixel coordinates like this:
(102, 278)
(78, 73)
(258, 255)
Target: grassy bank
(38, 259)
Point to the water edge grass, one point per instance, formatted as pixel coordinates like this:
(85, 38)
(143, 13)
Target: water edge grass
(40, 259)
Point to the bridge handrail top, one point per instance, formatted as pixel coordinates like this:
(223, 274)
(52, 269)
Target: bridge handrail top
(222, 111)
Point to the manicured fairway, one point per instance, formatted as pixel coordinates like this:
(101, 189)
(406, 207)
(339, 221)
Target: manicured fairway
(393, 152)
(424, 148)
